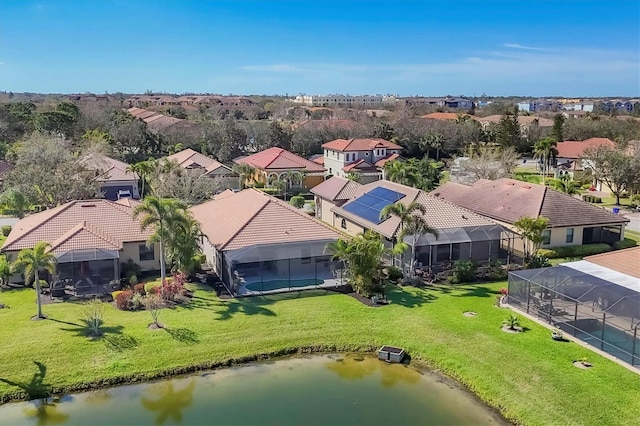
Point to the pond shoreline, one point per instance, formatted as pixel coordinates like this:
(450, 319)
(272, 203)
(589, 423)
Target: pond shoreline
(419, 365)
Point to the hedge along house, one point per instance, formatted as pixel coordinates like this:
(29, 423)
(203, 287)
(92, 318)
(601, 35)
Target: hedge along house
(189, 159)
(571, 221)
(279, 164)
(596, 299)
(90, 240)
(259, 244)
(462, 234)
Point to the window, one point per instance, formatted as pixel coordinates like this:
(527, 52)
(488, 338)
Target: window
(146, 253)
(343, 224)
(304, 260)
(569, 238)
(546, 237)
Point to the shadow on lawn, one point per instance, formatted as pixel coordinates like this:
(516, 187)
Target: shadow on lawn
(84, 329)
(410, 299)
(36, 388)
(247, 306)
(476, 291)
(183, 335)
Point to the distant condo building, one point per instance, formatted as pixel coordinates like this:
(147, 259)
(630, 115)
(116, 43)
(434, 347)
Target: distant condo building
(344, 100)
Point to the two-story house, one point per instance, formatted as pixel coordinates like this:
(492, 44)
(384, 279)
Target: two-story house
(363, 156)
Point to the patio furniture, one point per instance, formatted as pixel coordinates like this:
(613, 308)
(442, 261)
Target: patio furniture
(58, 288)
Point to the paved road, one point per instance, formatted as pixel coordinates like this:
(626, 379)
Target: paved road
(634, 225)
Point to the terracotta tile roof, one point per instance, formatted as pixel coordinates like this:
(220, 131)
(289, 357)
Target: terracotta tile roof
(317, 158)
(280, 159)
(359, 144)
(110, 169)
(188, 159)
(440, 214)
(88, 221)
(442, 116)
(625, 261)
(575, 149)
(508, 200)
(360, 164)
(336, 188)
(252, 217)
(84, 236)
(383, 161)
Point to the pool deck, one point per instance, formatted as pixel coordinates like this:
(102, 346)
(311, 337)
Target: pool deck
(243, 291)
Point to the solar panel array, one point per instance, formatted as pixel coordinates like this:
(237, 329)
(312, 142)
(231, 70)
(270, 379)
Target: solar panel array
(369, 205)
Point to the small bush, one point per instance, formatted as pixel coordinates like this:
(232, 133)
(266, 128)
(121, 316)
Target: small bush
(297, 201)
(536, 261)
(136, 302)
(139, 289)
(123, 300)
(152, 288)
(591, 199)
(463, 271)
(548, 253)
(258, 184)
(626, 243)
(6, 230)
(93, 312)
(133, 280)
(394, 274)
(173, 288)
(496, 272)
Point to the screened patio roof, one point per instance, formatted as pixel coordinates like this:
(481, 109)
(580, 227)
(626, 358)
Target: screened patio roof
(460, 235)
(86, 255)
(584, 285)
(278, 251)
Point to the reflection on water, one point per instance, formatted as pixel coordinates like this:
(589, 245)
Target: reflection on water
(45, 412)
(327, 390)
(168, 401)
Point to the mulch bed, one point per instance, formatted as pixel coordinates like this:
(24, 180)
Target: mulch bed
(348, 291)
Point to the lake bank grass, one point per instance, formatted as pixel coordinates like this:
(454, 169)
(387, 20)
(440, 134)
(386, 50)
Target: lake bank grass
(528, 377)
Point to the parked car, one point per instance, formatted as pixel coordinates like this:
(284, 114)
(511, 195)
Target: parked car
(124, 193)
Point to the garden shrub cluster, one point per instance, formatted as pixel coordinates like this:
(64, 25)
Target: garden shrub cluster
(6, 230)
(626, 243)
(463, 271)
(575, 251)
(132, 299)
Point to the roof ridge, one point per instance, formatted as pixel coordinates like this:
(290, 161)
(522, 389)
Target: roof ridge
(40, 224)
(223, 245)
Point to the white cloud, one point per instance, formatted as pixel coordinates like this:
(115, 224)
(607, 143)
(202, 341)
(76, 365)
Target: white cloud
(519, 46)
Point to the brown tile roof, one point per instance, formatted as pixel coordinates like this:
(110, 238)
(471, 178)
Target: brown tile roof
(359, 144)
(252, 217)
(575, 149)
(360, 164)
(78, 224)
(110, 169)
(336, 188)
(440, 214)
(508, 200)
(280, 159)
(625, 261)
(188, 159)
(383, 161)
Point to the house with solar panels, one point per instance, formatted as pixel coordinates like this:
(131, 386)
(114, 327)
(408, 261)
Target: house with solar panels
(462, 234)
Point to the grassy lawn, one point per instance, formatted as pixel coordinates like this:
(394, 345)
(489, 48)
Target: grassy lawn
(528, 376)
(632, 235)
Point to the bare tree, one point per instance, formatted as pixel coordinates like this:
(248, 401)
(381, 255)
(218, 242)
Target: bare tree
(486, 163)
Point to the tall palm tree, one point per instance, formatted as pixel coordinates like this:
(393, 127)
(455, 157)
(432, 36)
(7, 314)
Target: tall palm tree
(184, 246)
(30, 261)
(159, 214)
(339, 250)
(545, 150)
(406, 214)
(417, 227)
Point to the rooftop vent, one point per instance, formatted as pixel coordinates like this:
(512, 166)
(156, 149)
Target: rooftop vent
(88, 205)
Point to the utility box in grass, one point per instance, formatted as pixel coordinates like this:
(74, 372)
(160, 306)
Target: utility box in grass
(391, 354)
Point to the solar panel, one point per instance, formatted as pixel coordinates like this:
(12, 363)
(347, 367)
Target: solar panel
(368, 206)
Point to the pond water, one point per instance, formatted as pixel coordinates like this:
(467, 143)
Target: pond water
(327, 390)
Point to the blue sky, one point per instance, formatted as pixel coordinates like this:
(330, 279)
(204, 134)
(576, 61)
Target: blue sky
(526, 48)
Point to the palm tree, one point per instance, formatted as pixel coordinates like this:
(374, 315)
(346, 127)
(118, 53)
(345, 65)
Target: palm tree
(566, 185)
(418, 226)
(545, 150)
(339, 250)
(402, 173)
(184, 246)
(246, 172)
(143, 169)
(406, 214)
(160, 214)
(30, 261)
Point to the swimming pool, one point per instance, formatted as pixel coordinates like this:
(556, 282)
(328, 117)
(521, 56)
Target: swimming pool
(282, 284)
(616, 342)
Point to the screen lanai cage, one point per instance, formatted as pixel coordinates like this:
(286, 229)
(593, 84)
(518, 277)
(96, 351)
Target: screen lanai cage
(269, 268)
(599, 306)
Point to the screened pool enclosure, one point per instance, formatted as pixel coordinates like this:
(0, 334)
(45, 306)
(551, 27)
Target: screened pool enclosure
(280, 267)
(597, 305)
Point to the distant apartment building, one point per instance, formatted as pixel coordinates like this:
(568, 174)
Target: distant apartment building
(539, 105)
(344, 100)
(446, 102)
(620, 105)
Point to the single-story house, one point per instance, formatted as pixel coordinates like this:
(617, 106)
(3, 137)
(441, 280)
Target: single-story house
(116, 181)
(572, 221)
(462, 234)
(257, 243)
(90, 240)
(596, 299)
(276, 163)
(189, 159)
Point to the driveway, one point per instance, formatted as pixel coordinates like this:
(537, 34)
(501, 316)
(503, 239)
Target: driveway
(634, 224)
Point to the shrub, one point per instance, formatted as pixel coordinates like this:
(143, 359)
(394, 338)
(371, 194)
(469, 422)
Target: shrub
(626, 243)
(92, 312)
(582, 250)
(394, 274)
(123, 300)
(258, 184)
(133, 280)
(297, 201)
(591, 199)
(139, 289)
(496, 272)
(548, 253)
(153, 303)
(463, 271)
(129, 269)
(512, 322)
(6, 230)
(536, 261)
(136, 301)
(152, 287)
(173, 288)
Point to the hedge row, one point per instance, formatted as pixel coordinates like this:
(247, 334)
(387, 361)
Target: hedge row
(574, 251)
(591, 199)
